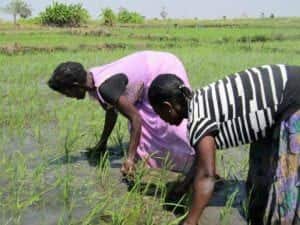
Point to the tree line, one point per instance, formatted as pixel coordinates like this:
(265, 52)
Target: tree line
(61, 14)
(74, 15)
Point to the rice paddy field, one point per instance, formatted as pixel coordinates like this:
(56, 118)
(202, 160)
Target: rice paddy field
(45, 177)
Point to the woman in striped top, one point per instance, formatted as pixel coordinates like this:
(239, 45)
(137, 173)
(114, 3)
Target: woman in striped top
(260, 106)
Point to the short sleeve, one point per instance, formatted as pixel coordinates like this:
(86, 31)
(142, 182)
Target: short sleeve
(113, 88)
(199, 124)
(200, 128)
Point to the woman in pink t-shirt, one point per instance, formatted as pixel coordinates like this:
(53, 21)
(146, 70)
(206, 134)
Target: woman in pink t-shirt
(122, 86)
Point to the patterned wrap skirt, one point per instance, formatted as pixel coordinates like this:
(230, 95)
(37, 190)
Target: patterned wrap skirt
(273, 183)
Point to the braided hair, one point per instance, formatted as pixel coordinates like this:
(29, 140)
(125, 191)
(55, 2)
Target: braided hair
(168, 87)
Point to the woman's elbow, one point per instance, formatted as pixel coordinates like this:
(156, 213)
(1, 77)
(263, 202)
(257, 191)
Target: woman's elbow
(206, 180)
(206, 176)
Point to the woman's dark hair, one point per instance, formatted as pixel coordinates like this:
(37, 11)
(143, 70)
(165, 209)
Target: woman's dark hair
(67, 74)
(168, 87)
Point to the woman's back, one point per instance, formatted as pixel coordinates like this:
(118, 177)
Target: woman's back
(244, 106)
(140, 69)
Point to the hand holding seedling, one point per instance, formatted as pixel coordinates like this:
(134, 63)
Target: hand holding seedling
(128, 168)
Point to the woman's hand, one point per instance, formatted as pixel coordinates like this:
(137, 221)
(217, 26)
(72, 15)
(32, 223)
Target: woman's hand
(93, 154)
(100, 147)
(178, 190)
(128, 168)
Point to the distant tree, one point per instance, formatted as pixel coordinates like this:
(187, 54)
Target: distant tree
(262, 15)
(124, 16)
(136, 18)
(224, 17)
(26, 13)
(163, 13)
(272, 16)
(17, 7)
(108, 16)
(59, 14)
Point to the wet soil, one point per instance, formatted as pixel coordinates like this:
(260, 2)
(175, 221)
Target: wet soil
(87, 190)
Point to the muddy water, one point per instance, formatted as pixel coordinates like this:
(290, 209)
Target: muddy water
(54, 210)
(53, 207)
(211, 216)
(218, 211)
(85, 190)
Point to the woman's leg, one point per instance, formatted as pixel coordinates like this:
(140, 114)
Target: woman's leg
(274, 178)
(262, 161)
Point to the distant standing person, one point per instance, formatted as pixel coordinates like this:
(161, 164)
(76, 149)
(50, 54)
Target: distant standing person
(260, 106)
(122, 86)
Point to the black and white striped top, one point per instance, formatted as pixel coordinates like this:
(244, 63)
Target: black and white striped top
(242, 107)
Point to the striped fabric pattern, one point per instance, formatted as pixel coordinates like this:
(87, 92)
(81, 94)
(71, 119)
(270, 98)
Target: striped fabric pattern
(239, 108)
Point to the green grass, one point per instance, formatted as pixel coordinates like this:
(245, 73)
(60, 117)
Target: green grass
(40, 127)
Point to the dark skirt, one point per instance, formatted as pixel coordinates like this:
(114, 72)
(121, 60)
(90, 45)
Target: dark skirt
(273, 183)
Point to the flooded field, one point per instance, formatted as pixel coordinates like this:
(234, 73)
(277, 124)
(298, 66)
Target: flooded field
(73, 189)
(46, 177)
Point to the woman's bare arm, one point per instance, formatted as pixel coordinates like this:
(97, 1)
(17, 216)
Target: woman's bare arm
(204, 181)
(130, 112)
(109, 124)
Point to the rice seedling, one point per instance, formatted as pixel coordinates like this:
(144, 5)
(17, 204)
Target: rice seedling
(226, 211)
(103, 171)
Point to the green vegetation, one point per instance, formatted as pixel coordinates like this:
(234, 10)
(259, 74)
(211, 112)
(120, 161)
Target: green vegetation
(59, 14)
(124, 16)
(109, 17)
(46, 180)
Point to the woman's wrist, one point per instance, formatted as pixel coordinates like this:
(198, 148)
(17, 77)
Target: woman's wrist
(103, 141)
(130, 157)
